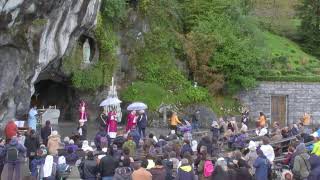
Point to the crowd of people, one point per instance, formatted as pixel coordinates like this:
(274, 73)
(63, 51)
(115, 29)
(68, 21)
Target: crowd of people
(229, 153)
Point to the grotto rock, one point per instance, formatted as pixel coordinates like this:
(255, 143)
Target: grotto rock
(34, 33)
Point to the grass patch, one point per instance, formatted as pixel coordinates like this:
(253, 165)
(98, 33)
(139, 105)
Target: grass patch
(289, 58)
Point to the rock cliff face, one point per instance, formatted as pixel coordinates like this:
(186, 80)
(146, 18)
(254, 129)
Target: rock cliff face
(33, 35)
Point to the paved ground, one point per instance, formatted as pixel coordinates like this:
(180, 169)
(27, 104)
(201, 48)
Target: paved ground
(65, 129)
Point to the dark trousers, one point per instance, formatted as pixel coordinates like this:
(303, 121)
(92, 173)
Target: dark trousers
(142, 132)
(1, 168)
(30, 159)
(13, 170)
(173, 127)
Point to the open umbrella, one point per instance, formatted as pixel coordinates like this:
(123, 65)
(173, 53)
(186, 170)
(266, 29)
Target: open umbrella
(110, 101)
(137, 106)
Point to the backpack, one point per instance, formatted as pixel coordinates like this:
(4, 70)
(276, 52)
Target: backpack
(12, 154)
(208, 168)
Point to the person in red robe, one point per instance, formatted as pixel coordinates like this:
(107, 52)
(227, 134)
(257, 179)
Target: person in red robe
(112, 124)
(131, 121)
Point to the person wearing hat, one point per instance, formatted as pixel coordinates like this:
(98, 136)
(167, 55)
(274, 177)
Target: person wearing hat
(316, 145)
(185, 171)
(251, 156)
(215, 129)
(301, 164)
(11, 130)
(54, 143)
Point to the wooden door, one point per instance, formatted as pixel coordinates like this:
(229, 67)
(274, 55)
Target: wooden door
(279, 109)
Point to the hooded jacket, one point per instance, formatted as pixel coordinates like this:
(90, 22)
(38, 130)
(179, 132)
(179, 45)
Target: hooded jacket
(11, 129)
(123, 173)
(301, 165)
(315, 167)
(185, 173)
(54, 144)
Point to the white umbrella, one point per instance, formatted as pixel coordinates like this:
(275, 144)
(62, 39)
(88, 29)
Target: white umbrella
(110, 101)
(137, 106)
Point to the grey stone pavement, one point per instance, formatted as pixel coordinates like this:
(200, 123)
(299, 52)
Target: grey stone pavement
(65, 129)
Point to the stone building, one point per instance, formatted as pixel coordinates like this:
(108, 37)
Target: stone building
(285, 102)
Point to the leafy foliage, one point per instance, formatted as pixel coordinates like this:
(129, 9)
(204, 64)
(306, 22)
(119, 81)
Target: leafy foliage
(226, 44)
(113, 10)
(309, 13)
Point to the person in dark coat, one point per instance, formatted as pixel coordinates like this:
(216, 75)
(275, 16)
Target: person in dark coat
(2, 154)
(262, 165)
(101, 134)
(32, 143)
(205, 141)
(45, 132)
(124, 171)
(107, 166)
(142, 123)
(102, 119)
(71, 156)
(168, 164)
(88, 168)
(185, 171)
(219, 173)
(186, 148)
(159, 171)
(315, 167)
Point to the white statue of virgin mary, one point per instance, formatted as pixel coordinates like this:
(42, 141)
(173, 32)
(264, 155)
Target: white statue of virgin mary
(86, 52)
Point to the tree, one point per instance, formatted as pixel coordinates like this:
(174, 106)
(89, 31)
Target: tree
(309, 13)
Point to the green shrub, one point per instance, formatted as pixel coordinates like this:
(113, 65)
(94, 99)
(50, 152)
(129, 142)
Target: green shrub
(113, 10)
(151, 94)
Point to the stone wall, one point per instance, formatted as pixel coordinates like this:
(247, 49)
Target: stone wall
(301, 98)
